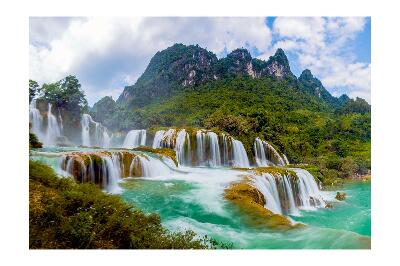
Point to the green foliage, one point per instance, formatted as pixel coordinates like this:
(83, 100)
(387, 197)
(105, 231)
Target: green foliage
(358, 105)
(297, 123)
(309, 84)
(65, 93)
(34, 141)
(64, 214)
(104, 111)
(68, 100)
(166, 73)
(33, 89)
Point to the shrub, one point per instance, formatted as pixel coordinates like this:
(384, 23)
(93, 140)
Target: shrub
(34, 141)
(64, 214)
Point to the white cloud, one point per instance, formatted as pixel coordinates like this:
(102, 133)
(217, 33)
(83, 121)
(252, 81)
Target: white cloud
(321, 46)
(107, 54)
(98, 50)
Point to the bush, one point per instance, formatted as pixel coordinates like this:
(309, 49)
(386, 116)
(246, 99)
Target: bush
(64, 214)
(34, 141)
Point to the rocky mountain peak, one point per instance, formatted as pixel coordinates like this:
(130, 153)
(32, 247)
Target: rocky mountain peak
(241, 55)
(238, 62)
(306, 75)
(278, 65)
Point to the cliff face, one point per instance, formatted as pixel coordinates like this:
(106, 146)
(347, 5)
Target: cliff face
(181, 66)
(178, 66)
(310, 84)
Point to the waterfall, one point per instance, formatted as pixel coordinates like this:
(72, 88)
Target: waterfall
(200, 147)
(53, 129)
(36, 120)
(285, 194)
(289, 194)
(183, 152)
(285, 159)
(106, 139)
(259, 153)
(112, 171)
(85, 123)
(206, 151)
(149, 166)
(207, 148)
(239, 154)
(158, 138)
(309, 192)
(100, 138)
(267, 186)
(215, 156)
(266, 155)
(108, 168)
(225, 150)
(135, 138)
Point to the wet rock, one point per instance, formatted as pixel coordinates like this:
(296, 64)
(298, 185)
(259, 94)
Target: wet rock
(340, 196)
(251, 202)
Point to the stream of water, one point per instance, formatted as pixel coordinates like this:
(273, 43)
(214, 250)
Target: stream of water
(189, 195)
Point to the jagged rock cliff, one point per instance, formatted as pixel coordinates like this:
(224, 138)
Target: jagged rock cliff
(310, 84)
(181, 66)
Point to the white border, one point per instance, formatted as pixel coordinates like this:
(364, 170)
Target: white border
(14, 159)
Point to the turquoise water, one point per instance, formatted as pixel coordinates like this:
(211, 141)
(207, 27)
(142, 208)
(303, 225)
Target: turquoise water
(182, 206)
(353, 214)
(193, 199)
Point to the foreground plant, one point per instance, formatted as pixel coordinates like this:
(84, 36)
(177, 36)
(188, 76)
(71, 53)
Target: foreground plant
(64, 214)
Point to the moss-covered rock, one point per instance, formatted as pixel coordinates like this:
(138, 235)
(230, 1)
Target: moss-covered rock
(89, 166)
(340, 196)
(161, 151)
(273, 170)
(251, 202)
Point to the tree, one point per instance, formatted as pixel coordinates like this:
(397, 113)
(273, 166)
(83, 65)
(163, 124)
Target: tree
(66, 93)
(355, 106)
(33, 89)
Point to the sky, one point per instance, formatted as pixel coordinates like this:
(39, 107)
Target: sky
(108, 53)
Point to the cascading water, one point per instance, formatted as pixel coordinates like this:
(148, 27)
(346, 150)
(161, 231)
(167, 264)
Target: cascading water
(85, 123)
(183, 152)
(286, 194)
(266, 155)
(200, 147)
(108, 168)
(215, 156)
(36, 120)
(53, 129)
(158, 138)
(285, 159)
(112, 171)
(309, 193)
(239, 154)
(207, 151)
(267, 186)
(135, 138)
(259, 153)
(149, 166)
(225, 150)
(207, 148)
(100, 138)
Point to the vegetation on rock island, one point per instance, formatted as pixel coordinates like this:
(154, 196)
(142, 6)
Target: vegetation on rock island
(65, 214)
(251, 202)
(34, 141)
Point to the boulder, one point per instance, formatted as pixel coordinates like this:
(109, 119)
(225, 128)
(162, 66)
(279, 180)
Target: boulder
(340, 196)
